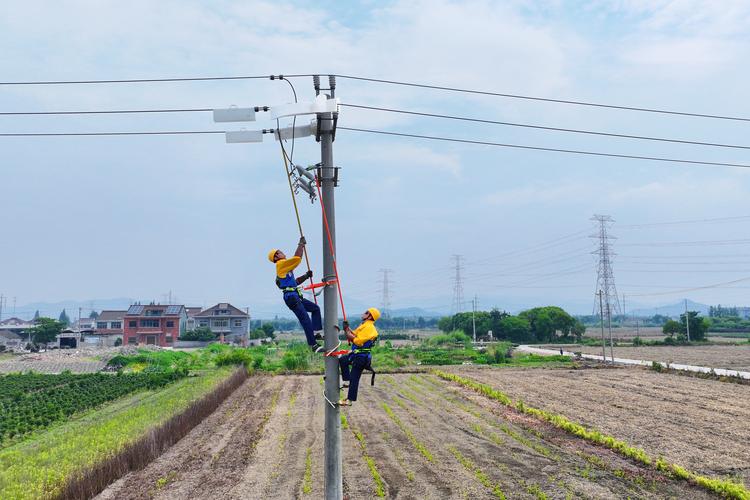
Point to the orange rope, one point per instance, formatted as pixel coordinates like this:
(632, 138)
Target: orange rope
(330, 245)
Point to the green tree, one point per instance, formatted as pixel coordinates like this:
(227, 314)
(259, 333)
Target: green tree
(698, 326)
(671, 328)
(36, 315)
(547, 321)
(268, 329)
(46, 330)
(64, 319)
(94, 315)
(513, 328)
(201, 334)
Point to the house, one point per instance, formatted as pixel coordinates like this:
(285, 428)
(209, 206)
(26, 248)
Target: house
(192, 324)
(154, 324)
(10, 340)
(16, 325)
(108, 329)
(225, 320)
(84, 324)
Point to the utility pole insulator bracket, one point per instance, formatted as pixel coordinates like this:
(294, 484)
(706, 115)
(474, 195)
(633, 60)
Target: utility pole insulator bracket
(321, 104)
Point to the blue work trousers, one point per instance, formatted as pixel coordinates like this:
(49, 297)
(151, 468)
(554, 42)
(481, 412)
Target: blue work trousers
(358, 362)
(300, 306)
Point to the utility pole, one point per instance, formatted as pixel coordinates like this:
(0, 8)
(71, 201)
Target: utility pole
(611, 344)
(473, 317)
(601, 316)
(687, 321)
(334, 487)
(2, 297)
(14, 305)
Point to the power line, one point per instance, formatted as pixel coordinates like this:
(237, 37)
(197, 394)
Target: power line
(744, 241)
(539, 148)
(154, 80)
(94, 134)
(554, 129)
(694, 221)
(105, 112)
(683, 290)
(545, 99)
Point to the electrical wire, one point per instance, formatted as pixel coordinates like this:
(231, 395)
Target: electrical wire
(684, 290)
(540, 127)
(539, 148)
(154, 80)
(695, 221)
(105, 112)
(87, 134)
(545, 99)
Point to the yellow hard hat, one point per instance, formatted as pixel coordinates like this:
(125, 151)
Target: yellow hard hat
(374, 312)
(272, 254)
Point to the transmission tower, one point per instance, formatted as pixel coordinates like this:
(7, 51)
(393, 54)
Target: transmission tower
(605, 278)
(458, 285)
(385, 284)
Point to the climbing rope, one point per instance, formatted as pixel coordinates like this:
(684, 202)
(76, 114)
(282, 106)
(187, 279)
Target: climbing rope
(296, 209)
(330, 245)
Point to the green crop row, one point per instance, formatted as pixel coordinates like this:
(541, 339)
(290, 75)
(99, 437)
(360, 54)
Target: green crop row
(721, 487)
(379, 485)
(478, 473)
(37, 467)
(419, 446)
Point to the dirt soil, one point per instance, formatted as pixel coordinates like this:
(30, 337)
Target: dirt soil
(699, 424)
(736, 357)
(439, 441)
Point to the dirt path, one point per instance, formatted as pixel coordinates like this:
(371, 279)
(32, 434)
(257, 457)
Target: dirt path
(410, 437)
(699, 424)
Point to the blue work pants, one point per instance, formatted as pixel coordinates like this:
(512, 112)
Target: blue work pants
(300, 306)
(358, 362)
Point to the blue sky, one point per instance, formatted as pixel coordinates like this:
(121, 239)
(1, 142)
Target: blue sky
(90, 218)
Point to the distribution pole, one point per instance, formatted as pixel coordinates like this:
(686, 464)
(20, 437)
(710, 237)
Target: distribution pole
(687, 321)
(333, 466)
(1, 307)
(611, 344)
(601, 315)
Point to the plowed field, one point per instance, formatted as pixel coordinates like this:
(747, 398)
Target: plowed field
(410, 436)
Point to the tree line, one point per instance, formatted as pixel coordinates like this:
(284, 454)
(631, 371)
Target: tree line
(540, 324)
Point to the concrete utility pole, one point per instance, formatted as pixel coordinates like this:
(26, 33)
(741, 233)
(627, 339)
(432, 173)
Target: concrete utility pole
(687, 321)
(334, 487)
(611, 344)
(2, 297)
(601, 316)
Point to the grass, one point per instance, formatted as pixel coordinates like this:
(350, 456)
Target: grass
(39, 466)
(722, 487)
(478, 473)
(418, 445)
(307, 479)
(379, 485)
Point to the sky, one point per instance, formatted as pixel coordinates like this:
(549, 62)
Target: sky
(101, 217)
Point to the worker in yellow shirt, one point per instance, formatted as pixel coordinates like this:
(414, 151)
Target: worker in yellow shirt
(362, 338)
(311, 323)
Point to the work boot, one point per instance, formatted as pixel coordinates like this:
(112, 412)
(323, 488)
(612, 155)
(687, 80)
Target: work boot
(317, 347)
(319, 335)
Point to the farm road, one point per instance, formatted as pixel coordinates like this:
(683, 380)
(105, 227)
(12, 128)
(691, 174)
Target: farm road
(699, 424)
(257, 444)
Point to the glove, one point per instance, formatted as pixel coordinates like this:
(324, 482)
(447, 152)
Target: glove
(308, 275)
(302, 240)
(346, 325)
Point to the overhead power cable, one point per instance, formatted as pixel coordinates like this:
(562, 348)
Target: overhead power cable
(554, 150)
(104, 112)
(89, 134)
(684, 290)
(541, 127)
(694, 221)
(545, 99)
(155, 80)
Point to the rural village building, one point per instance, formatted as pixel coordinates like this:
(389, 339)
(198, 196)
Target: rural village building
(10, 340)
(16, 325)
(154, 324)
(227, 320)
(192, 324)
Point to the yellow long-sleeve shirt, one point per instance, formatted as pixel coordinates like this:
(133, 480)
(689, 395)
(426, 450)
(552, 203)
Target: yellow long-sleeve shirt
(285, 266)
(364, 333)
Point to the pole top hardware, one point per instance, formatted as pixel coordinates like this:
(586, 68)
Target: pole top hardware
(321, 104)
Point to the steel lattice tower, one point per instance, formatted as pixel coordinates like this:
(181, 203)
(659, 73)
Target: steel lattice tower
(385, 282)
(458, 286)
(605, 278)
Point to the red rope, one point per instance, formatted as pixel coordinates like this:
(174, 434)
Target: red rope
(330, 245)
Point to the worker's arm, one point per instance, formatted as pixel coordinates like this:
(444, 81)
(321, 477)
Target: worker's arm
(304, 277)
(300, 247)
(285, 266)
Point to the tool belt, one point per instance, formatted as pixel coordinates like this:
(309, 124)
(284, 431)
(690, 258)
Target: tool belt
(292, 290)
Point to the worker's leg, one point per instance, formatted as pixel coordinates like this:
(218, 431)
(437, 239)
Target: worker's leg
(344, 362)
(358, 364)
(314, 310)
(294, 302)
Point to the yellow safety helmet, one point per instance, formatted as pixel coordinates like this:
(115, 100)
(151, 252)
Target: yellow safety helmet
(272, 254)
(374, 312)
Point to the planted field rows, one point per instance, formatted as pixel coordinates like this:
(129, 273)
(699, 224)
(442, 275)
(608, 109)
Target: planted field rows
(410, 436)
(734, 357)
(698, 424)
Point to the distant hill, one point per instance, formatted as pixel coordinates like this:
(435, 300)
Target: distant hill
(408, 312)
(671, 309)
(52, 309)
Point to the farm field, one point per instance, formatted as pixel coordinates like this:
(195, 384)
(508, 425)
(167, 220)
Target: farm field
(627, 333)
(696, 423)
(410, 436)
(736, 357)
